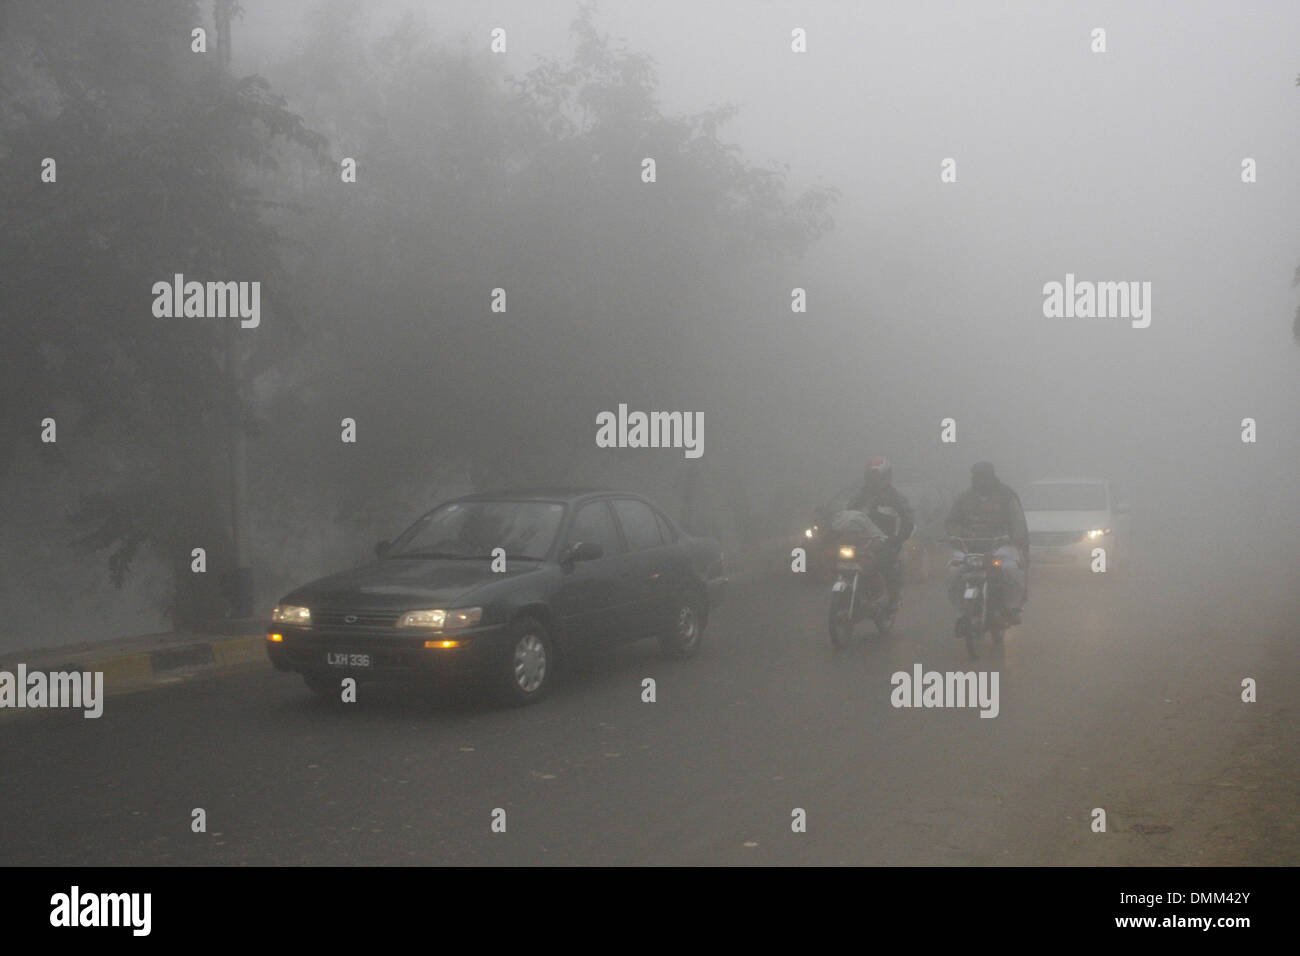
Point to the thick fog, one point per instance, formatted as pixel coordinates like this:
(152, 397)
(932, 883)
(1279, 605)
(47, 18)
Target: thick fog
(924, 297)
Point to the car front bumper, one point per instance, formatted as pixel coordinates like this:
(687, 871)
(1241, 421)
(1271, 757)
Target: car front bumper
(1077, 555)
(391, 656)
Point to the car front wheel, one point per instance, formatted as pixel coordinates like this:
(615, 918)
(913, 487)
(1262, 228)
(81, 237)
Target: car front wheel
(529, 664)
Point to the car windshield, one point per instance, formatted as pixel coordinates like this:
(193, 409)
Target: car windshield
(1066, 496)
(474, 529)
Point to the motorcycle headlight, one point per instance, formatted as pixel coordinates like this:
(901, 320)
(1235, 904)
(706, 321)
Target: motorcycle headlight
(809, 532)
(289, 614)
(848, 552)
(974, 560)
(441, 619)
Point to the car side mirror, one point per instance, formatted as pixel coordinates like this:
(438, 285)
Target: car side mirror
(382, 548)
(585, 551)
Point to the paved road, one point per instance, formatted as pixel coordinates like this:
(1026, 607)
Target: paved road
(1111, 696)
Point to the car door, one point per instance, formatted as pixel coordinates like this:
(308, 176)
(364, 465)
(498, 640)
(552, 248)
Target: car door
(653, 566)
(587, 602)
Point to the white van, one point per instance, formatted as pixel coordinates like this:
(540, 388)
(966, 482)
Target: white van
(1069, 517)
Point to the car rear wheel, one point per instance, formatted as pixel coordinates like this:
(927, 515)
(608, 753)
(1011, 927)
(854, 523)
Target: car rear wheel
(684, 629)
(529, 665)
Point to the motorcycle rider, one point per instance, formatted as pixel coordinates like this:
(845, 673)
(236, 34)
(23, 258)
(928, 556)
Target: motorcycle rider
(889, 510)
(989, 509)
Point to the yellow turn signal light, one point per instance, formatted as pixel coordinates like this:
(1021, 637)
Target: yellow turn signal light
(437, 644)
(275, 638)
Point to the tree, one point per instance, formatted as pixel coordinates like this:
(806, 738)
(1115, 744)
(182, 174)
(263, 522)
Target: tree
(155, 147)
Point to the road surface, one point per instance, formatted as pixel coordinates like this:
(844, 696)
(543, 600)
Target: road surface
(1111, 697)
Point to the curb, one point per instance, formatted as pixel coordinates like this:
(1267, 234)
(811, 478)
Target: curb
(167, 664)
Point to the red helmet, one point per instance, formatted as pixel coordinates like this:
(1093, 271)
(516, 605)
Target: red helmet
(880, 470)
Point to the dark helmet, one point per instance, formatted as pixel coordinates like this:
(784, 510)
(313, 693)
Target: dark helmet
(879, 473)
(982, 477)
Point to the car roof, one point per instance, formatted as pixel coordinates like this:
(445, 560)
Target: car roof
(1069, 481)
(569, 493)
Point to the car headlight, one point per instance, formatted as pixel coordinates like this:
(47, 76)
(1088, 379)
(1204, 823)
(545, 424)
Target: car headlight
(809, 532)
(440, 618)
(1096, 533)
(290, 614)
(848, 552)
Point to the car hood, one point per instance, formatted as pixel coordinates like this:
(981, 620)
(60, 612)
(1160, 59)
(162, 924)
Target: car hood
(404, 584)
(1067, 520)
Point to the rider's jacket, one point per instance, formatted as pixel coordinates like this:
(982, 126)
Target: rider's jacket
(888, 509)
(988, 516)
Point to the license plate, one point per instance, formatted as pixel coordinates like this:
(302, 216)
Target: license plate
(971, 592)
(341, 659)
(838, 586)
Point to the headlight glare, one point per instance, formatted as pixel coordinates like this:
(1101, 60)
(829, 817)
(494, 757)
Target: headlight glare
(439, 618)
(290, 614)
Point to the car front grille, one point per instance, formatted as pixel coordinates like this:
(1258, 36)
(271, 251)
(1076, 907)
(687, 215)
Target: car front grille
(1054, 539)
(357, 619)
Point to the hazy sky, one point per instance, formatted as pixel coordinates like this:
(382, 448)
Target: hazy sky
(1122, 166)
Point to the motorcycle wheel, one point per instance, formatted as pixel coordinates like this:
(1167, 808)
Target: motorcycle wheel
(884, 623)
(971, 631)
(839, 624)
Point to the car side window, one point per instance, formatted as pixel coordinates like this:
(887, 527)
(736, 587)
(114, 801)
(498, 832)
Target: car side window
(640, 527)
(665, 529)
(593, 523)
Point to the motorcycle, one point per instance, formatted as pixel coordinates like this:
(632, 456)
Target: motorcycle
(859, 589)
(981, 608)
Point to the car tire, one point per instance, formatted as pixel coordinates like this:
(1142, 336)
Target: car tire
(528, 668)
(684, 629)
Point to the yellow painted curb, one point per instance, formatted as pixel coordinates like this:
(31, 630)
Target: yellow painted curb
(124, 670)
(239, 650)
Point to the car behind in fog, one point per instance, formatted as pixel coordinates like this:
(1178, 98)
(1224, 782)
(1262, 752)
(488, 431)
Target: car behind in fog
(1069, 517)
